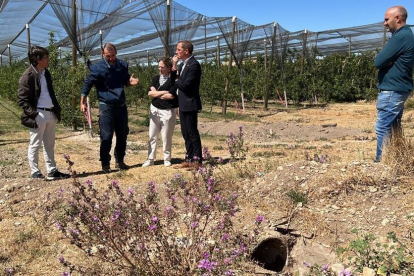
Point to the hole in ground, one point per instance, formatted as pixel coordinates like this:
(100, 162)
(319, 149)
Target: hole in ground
(271, 254)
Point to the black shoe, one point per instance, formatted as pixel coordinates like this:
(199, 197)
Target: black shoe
(55, 175)
(121, 166)
(38, 175)
(106, 168)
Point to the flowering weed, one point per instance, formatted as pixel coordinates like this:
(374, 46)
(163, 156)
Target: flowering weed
(184, 227)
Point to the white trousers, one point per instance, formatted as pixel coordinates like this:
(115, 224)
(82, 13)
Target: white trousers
(161, 120)
(45, 133)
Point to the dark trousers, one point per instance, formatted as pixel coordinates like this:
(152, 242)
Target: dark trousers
(188, 121)
(113, 118)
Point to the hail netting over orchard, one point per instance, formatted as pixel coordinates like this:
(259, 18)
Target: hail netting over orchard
(144, 30)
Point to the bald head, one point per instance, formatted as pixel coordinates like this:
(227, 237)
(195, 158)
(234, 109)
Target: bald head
(400, 11)
(395, 18)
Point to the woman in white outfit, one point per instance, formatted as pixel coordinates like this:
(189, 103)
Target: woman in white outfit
(162, 112)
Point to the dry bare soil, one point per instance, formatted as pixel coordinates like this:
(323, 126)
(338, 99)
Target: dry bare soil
(323, 152)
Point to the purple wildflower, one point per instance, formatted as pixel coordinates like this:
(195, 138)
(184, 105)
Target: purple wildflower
(152, 227)
(89, 182)
(345, 273)
(194, 224)
(116, 215)
(325, 267)
(74, 232)
(225, 237)
(207, 264)
(151, 186)
(169, 209)
(130, 191)
(259, 219)
(58, 225)
(61, 259)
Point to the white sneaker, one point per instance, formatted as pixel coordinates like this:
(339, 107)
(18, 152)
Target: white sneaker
(148, 163)
(167, 163)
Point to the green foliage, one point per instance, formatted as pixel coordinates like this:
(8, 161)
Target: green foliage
(387, 257)
(297, 197)
(67, 83)
(409, 104)
(9, 80)
(309, 78)
(145, 122)
(317, 270)
(138, 95)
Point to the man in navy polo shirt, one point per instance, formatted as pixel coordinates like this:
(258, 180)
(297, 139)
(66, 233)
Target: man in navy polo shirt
(109, 77)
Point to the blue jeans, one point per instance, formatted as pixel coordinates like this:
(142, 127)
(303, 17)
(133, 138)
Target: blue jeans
(390, 107)
(113, 118)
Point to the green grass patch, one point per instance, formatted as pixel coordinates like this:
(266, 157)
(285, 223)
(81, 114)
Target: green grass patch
(229, 116)
(268, 154)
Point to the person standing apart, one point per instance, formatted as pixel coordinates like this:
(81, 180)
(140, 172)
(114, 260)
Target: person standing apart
(395, 63)
(189, 102)
(162, 112)
(109, 77)
(41, 112)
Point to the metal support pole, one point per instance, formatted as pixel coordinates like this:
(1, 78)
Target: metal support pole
(265, 53)
(316, 44)
(148, 58)
(1, 61)
(168, 29)
(218, 51)
(75, 36)
(349, 46)
(384, 38)
(205, 39)
(305, 37)
(10, 57)
(101, 40)
(28, 37)
(230, 63)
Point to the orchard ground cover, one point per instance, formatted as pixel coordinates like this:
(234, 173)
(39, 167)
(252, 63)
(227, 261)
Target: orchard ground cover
(323, 154)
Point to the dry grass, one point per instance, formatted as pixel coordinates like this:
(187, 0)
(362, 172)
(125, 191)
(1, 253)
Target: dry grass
(398, 154)
(271, 169)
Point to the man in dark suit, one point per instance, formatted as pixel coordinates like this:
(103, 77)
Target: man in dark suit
(189, 102)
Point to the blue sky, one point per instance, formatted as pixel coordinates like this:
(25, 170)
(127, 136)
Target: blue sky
(295, 15)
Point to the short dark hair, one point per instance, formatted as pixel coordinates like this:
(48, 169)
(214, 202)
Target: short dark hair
(109, 47)
(167, 62)
(187, 45)
(36, 53)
